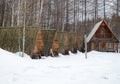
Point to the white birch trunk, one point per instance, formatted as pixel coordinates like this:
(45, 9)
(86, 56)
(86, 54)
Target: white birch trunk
(24, 28)
(13, 7)
(3, 23)
(18, 24)
(40, 16)
(18, 14)
(37, 16)
(39, 11)
(63, 27)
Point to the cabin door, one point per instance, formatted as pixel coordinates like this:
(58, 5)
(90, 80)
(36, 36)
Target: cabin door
(92, 46)
(102, 46)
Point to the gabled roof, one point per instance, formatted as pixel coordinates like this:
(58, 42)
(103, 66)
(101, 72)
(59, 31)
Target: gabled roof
(95, 29)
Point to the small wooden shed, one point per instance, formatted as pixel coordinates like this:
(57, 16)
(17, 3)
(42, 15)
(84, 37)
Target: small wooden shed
(101, 38)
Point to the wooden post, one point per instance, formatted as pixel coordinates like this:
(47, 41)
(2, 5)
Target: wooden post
(51, 51)
(119, 46)
(85, 47)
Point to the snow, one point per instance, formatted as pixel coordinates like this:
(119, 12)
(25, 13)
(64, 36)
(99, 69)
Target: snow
(20, 54)
(99, 68)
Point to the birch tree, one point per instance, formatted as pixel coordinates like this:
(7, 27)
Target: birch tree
(13, 13)
(24, 29)
(4, 13)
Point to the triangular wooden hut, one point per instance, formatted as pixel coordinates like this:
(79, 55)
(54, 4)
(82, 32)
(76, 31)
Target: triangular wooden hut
(38, 46)
(101, 38)
(55, 46)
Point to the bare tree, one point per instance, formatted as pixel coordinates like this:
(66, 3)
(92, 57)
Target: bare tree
(96, 10)
(13, 13)
(104, 9)
(118, 7)
(24, 28)
(4, 13)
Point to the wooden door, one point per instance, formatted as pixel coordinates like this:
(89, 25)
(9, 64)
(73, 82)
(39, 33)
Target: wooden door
(92, 46)
(102, 46)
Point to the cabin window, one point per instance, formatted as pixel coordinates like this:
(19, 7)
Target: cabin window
(103, 28)
(102, 32)
(110, 45)
(96, 43)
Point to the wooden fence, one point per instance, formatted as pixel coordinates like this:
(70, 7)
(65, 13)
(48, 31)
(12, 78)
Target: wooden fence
(10, 37)
(59, 42)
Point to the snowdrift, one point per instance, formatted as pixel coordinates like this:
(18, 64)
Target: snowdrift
(99, 68)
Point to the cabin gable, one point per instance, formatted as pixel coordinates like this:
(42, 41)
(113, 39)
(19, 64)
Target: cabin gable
(103, 39)
(103, 32)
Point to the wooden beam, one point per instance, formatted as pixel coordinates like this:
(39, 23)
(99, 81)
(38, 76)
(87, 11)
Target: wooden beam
(85, 47)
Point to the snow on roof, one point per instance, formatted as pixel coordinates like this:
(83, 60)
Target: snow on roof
(93, 31)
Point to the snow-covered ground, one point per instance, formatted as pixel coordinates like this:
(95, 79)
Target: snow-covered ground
(99, 68)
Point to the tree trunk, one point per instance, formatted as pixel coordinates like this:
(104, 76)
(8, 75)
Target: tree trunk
(13, 11)
(24, 28)
(117, 10)
(3, 22)
(85, 17)
(67, 15)
(96, 10)
(104, 10)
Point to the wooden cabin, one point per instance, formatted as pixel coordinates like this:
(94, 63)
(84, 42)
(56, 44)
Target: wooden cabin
(101, 38)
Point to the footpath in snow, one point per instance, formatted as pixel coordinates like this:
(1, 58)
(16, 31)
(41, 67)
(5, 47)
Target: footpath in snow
(99, 68)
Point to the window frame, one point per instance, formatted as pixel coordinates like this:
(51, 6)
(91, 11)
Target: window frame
(110, 45)
(103, 31)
